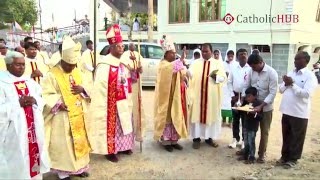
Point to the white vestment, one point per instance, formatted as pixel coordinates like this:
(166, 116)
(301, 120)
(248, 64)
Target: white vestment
(14, 159)
(212, 114)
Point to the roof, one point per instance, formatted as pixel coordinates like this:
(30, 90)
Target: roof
(138, 6)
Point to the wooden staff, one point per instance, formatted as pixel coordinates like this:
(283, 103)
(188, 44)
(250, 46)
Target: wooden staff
(139, 96)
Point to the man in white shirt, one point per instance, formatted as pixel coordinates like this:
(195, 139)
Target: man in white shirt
(265, 79)
(238, 78)
(297, 88)
(23, 153)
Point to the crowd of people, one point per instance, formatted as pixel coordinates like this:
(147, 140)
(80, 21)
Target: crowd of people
(55, 112)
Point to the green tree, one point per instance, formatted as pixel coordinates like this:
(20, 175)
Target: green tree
(23, 12)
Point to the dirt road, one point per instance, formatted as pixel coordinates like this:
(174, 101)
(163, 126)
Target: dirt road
(210, 163)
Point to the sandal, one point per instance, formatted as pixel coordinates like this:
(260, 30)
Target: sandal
(83, 175)
(261, 160)
(212, 143)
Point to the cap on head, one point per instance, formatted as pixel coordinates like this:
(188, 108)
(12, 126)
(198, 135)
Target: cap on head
(114, 34)
(70, 50)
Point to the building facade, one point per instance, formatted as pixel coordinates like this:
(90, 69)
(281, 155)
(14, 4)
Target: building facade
(278, 28)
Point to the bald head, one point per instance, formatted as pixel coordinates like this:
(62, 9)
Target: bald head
(131, 46)
(20, 50)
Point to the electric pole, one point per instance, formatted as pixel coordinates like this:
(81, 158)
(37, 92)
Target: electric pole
(150, 20)
(40, 11)
(94, 35)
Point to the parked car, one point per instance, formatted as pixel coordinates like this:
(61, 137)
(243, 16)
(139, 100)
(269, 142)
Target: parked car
(152, 54)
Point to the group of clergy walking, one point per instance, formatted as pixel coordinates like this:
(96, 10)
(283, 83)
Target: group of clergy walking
(47, 108)
(54, 114)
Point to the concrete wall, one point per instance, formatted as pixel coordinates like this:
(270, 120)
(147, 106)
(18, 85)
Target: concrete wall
(307, 30)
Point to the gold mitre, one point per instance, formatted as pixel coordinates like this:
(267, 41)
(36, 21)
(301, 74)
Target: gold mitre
(21, 86)
(70, 50)
(170, 47)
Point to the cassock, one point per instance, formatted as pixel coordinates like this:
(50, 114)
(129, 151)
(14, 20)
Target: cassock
(135, 81)
(170, 107)
(33, 64)
(111, 108)
(3, 66)
(86, 65)
(23, 154)
(66, 131)
(206, 98)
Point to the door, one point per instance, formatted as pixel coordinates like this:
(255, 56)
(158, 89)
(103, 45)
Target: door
(155, 54)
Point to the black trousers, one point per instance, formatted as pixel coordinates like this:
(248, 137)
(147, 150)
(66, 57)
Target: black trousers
(237, 115)
(293, 133)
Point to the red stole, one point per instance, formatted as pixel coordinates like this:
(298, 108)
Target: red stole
(34, 155)
(115, 92)
(204, 92)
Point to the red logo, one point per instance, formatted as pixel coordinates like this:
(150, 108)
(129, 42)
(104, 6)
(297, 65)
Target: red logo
(228, 18)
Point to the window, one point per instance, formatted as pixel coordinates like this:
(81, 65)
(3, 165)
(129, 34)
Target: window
(212, 10)
(142, 50)
(104, 51)
(262, 48)
(318, 12)
(179, 11)
(155, 52)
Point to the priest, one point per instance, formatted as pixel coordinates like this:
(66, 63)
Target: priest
(170, 108)
(23, 154)
(133, 60)
(66, 128)
(35, 64)
(86, 64)
(111, 105)
(208, 76)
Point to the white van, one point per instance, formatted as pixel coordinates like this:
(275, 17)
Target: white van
(152, 54)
